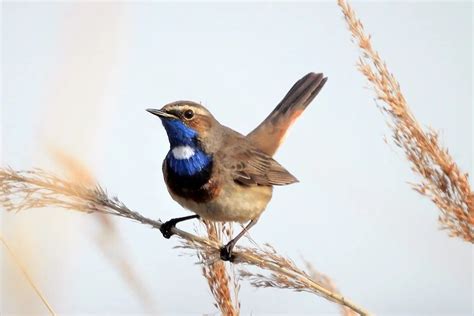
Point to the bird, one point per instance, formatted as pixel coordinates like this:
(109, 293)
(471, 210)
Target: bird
(220, 174)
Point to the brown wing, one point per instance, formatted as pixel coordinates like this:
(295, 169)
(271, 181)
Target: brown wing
(249, 166)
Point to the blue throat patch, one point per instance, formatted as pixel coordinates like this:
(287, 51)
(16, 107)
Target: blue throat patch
(181, 135)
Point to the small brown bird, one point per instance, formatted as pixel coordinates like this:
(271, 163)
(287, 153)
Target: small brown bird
(220, 174)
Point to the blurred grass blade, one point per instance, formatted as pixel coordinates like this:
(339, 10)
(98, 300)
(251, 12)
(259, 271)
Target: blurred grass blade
(27, 276)
(109, 238)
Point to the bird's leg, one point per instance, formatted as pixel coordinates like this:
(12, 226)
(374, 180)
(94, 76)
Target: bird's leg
(226, 251)
(167, 226)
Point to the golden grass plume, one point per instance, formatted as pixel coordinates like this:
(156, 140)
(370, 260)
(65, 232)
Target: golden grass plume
(298, 279)
(22, 190)
(441, 179)
(221, 279)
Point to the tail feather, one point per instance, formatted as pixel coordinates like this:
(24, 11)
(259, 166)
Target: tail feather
(270, 133)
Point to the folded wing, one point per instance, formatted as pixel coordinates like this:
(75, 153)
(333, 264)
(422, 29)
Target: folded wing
(250, 166)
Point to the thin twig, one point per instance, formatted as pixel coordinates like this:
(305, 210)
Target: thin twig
(27, 276)
(441, 179)
(20, 190)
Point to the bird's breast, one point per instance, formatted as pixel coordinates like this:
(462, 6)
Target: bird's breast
(199, 187)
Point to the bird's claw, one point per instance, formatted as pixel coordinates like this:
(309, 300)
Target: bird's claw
(226, 253)
(166, 229)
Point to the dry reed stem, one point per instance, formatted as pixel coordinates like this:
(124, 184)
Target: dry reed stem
(21, 190)
(442, 180)
(284, 274)
(326, 282)
(27, 276)
(222, 283)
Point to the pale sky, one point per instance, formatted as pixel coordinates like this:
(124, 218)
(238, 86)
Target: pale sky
(80, 76)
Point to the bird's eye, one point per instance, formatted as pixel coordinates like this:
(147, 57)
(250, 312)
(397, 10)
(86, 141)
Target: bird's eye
(188, 114)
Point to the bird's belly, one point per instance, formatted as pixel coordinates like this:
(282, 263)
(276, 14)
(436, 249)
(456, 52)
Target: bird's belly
(234, 203)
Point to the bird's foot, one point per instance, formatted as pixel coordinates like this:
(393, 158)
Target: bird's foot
(226, 253)
(166, 228)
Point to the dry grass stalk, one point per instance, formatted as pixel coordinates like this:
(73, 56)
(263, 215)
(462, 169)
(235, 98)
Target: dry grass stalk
(222, 283)
(442, 180)
(21, 190)
(326, 282)
(27, 276)
(289, 276)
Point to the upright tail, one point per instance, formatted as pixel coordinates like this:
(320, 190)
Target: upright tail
(271, 132)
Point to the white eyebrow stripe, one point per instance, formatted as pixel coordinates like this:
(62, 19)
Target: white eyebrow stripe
(182, 152)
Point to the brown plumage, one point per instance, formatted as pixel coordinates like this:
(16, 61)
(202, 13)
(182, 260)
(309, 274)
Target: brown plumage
(250, 166)
(220, 174)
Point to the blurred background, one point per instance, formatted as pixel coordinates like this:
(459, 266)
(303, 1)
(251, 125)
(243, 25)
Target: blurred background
(77, 77)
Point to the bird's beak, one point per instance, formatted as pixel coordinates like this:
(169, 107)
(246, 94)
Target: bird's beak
(161, 114)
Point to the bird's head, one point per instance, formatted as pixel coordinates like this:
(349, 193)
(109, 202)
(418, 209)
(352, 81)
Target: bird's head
(185, 122)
